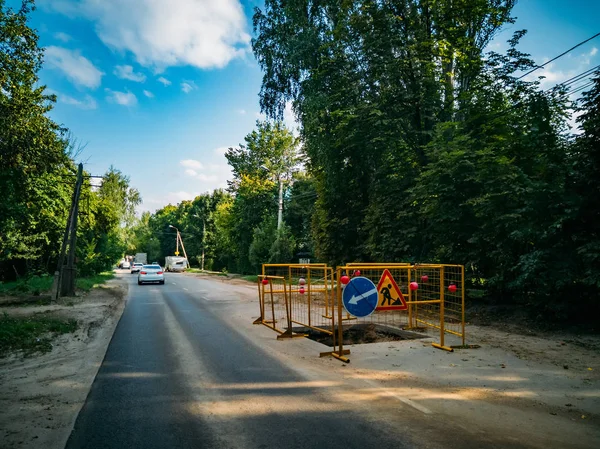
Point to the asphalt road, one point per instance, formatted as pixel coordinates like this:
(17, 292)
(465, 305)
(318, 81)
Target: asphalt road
(177, 374)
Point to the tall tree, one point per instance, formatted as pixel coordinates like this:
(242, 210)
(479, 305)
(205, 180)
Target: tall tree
(34, 165)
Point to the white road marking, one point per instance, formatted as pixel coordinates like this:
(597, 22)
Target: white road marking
(402, 399)
(407, 401)
(186, 289)
(173, 283)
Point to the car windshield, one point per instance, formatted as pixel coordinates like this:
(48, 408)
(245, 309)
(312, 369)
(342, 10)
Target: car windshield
(137, 264)
(150, 267)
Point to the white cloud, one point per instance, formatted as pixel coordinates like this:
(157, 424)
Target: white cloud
(593, 51)
(122, 98)
(212, 175)
(64, 37)
(241, 111)
(87, 103)
(126, 72)
(188, 86)
(164, 33)
(76, 68)
(148, 94)
(178, 197)
(191, 163)
(164, 81)
(220, 151)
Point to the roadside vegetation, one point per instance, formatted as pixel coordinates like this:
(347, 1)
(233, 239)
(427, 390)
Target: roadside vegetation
(31, 335)
(37, 285)
(415, 144)
(37, 175)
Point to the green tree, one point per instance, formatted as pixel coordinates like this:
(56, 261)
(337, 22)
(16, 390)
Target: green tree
(35, 170)
(268, 158)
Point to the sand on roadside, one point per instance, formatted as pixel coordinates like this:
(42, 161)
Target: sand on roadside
(41, 395)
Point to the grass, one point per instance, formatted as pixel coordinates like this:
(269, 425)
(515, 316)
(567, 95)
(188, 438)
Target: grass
(31, 334)
(198, 270)
(88, 283)
(36, 285)
(31, 286)
(251, 278)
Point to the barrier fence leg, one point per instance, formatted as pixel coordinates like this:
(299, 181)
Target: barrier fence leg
(308, 292)
(341, 352)
(261, 302)
(462, 290)
(410, 300)
(442, 331)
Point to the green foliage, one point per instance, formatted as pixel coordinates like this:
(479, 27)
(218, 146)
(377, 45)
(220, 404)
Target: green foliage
(263, 239)
(37, 174)
(87, 283)
(282, 249)
(32, 334)
(422, 148)
(33, 285)
(34, 163)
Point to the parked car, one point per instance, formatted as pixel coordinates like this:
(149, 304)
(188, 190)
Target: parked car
(151, 273)
(136, 267)
(175, 263)
(126, 265)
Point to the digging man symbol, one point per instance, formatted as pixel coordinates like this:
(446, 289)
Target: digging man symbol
(388, 300)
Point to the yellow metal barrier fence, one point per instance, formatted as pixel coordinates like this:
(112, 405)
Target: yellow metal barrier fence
(310, 296)
(275, 305)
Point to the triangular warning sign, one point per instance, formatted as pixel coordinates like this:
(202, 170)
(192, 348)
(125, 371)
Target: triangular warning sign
(390, 296)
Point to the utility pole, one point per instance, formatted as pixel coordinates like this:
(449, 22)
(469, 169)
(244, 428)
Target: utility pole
(280, 212)
(182, 247)
(203, 241)
(64, 277)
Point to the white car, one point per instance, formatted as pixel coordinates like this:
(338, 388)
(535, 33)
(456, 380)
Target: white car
(136, 267)
(126, 265)
(151, 273)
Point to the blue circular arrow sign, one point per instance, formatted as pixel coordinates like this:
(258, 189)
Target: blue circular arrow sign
(360, 297)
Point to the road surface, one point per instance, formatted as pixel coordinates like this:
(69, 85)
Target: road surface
(180, 372)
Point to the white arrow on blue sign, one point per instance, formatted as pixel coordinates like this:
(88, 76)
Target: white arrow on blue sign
(360, 297)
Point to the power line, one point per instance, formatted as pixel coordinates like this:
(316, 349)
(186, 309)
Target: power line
(559, 56)
(580, 76)
(573, 80)
(580, 88)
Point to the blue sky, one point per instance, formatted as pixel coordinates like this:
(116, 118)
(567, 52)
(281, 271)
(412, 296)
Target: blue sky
(159, 88)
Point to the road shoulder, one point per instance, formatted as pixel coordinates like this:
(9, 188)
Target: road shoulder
(41, 395)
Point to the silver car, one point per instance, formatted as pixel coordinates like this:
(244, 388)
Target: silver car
(136, 267)
(151, 273)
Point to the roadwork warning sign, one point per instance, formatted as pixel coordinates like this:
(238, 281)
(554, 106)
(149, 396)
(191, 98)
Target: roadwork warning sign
(390, 296)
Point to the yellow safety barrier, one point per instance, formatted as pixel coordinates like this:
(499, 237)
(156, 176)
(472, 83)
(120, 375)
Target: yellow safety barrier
(421, 297)
(275, 306)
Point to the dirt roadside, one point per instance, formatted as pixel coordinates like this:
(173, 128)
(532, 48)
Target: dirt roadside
(41, 395)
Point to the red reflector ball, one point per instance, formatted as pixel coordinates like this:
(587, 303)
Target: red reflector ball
(357, 273)
(424, 278)
(301, 281)
(344, 279)
(452, 288)
(301, 290)
(414, 286)
(265, 281)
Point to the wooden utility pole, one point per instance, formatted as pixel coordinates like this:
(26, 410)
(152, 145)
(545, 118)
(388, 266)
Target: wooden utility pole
(182, 247)
(64, 277)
